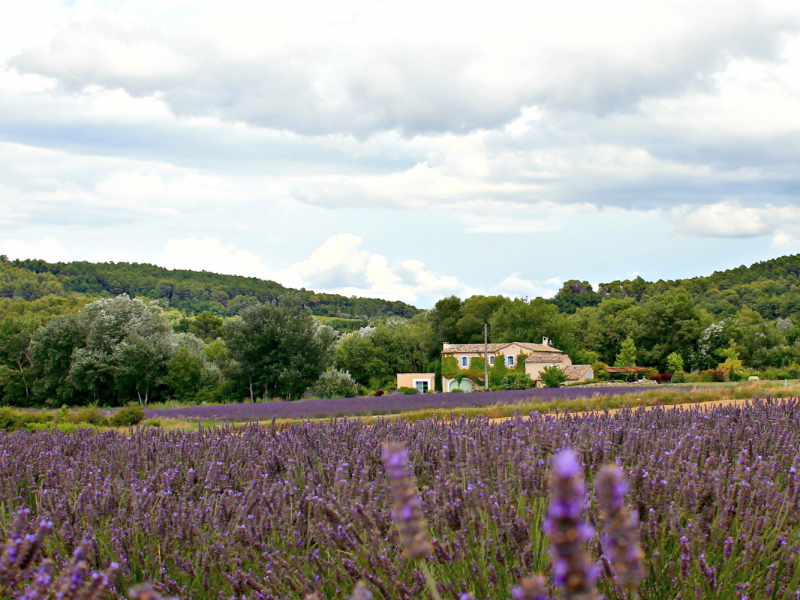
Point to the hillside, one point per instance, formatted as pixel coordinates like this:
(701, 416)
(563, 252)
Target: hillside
(190, 291)
(772, 288)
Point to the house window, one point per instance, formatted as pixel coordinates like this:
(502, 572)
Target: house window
(464, 361)
(422, 386)
(491, 361)
(510, 360)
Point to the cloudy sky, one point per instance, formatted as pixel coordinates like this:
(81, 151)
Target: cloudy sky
(406, 150)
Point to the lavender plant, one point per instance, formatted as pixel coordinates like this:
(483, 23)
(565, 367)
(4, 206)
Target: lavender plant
(620, 529)
(573, 571)
(263, 512)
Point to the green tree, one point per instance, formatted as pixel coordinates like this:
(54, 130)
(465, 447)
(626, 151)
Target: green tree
(603, 328)
(627, 354)
(52, 349)
(476, 311)
(669, 323)
(16, 334)
(374, 355)
(113, 350)
(522, 321)
(206, 326)
(445, 316)
(185, 375)
(674, 363)
(553, 376)
(279, 348)
(575, 294)
(585, 357)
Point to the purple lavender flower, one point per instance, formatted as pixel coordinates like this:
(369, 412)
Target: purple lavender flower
(361, 592)
(407, 503)
(620, 528)
(146, 592)
(573, 572)
(531, 588)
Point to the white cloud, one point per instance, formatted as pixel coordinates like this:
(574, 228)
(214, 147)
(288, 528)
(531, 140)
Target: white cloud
(782, 239)
(209, 254)
(731, 219)
(340, 266)
(517, 287)
(181, 119)
(47, 249)
(362, 67)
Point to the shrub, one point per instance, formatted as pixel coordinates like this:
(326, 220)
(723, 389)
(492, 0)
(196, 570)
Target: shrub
(133, 414)
(459, 390)
(599, 369)
(674, 362)
(11, 420)
(663, 378)
(408, 391)
(553, 377)
(379, 392)
(784, 375)
(334, 383)
(770, 374)
(679, 377)
(710, 375)
(89, 415)
(152, 423)
(692, 377)
(518, 381)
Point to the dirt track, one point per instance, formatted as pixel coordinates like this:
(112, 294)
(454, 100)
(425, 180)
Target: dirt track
(611, 411)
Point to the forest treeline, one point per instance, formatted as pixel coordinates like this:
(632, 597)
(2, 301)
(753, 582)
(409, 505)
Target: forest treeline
(134, 343)
(192, 292)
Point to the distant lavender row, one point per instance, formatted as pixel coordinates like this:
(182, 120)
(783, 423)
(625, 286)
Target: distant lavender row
(383, 404)
(267, 513)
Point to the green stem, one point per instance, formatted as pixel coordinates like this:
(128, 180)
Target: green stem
(430, 580)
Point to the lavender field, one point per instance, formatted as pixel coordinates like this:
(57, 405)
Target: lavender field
(381, 405)
(258, 512)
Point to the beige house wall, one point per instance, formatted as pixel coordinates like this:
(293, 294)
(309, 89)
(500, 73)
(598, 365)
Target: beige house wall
(411, 379)
(534, 369)
(512, 350)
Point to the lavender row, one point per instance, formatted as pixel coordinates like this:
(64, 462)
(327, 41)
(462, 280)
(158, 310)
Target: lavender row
(265, 513)
(383, 404)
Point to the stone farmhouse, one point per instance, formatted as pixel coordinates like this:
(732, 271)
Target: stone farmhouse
(537, 357)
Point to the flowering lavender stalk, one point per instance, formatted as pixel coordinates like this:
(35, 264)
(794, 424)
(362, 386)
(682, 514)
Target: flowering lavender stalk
(361, 592)
(146, 592)
(531, 588)
(620, 528)
(408, 508)
(21, 549)
(568, 531)
(41, 583)
(407, 503)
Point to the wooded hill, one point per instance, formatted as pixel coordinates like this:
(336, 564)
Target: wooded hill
(772, 288)
(189, 291)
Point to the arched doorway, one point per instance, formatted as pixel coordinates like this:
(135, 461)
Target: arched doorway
(465, 386)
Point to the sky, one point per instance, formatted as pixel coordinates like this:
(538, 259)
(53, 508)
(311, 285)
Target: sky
(402, 150)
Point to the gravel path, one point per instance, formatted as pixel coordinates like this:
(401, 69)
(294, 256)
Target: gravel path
(384, 404)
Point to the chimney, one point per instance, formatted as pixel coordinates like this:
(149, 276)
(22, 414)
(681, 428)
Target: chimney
(545, 341)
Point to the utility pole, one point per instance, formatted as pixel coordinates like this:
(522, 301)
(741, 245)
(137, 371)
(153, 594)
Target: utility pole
(485, 356)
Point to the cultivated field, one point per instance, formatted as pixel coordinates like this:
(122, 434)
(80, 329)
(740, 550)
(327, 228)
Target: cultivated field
(262, 512)
(383, 405)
